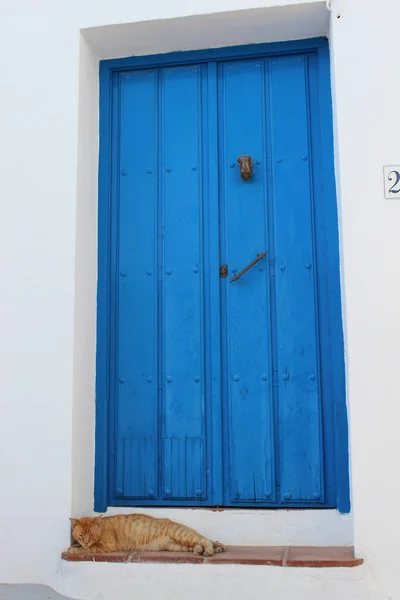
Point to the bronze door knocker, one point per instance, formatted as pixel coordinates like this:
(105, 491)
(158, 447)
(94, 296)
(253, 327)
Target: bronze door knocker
(246, 166)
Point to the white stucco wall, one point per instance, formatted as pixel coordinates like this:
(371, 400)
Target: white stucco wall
(48, 195)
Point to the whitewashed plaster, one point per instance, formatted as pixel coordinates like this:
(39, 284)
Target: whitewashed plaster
(48, 193)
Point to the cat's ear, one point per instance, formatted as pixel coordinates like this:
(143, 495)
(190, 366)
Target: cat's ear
(74, 522)
(95, 519)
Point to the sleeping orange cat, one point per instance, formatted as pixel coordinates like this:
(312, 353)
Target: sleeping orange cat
(137, 532)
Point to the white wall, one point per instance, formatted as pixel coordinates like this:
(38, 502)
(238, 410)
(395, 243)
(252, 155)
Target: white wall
(222, 29)
(215, 582)
(365, 57)
(48, 162)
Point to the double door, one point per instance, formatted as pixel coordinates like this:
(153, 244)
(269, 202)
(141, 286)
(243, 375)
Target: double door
(218, 386)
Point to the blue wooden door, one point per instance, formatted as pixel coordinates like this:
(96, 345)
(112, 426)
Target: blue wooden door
(217, 389)
(163, 427)
(272, 389)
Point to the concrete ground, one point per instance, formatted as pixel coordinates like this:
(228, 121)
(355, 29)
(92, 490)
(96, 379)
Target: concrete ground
(28, 591)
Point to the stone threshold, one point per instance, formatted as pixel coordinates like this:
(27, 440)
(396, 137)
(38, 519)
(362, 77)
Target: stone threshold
(279, 556)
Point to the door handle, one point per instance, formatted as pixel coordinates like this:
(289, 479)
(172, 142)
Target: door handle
(254, 262)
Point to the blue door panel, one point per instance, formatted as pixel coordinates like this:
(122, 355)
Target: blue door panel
(220, 391)
(299, 398)
(160, 451)
(330, 385)
(248, 410)
(136, 385)
(183, 398)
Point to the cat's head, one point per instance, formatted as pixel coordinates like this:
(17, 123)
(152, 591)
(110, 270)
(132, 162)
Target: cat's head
(86, 531)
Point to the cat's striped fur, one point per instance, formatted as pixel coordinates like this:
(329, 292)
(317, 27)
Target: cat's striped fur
(137, 532)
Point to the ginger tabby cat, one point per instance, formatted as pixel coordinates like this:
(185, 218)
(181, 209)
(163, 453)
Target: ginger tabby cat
(137, 532)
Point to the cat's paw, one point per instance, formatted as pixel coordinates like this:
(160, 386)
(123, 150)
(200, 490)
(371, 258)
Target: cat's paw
(206, 550)
(218, 547)
(76, 549)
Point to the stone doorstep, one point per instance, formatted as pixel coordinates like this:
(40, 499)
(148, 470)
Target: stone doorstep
(279, 556)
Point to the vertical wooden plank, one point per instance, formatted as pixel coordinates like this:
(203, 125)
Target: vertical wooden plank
(298, 372)
(137, 277)
(325, 278)
(340, 490)
(212, 282)
(103, 464)
(183, 289)
(249, 447)
(116, 444)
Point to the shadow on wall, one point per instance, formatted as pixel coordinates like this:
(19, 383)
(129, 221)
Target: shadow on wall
(29, 591)
(234, 28)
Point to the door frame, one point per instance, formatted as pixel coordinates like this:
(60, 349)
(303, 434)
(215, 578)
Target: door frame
(327, 205)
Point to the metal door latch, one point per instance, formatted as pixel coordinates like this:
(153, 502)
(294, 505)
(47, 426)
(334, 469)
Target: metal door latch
(223, 271)
(254, 262)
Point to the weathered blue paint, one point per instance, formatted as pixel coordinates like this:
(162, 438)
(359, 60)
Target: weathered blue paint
(211, 392)
(292, 206)
(103, 362)
(136, 427)
(249, 475)
(333, 354)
